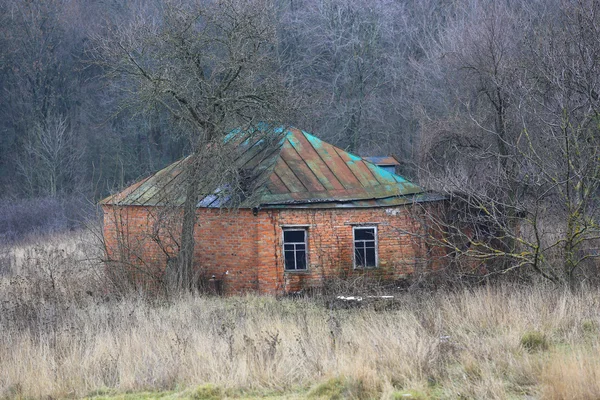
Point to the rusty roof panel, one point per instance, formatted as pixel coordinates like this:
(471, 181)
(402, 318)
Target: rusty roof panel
(316, 164)
(300, 169)
(286, 168)
(336, 164)
(358, 168)
(383, 176)
(345, 195)
(166, 186)
(384, 202)
(117, 197)
(287, 176)
(383, 160)
(275, 185)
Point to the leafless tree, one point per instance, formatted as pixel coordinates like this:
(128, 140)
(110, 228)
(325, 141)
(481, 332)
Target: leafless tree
(211, 65)
(527, 198)
(50, 157)
(349, 61)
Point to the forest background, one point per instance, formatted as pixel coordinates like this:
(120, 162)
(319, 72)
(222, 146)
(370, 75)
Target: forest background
(373, 77)
(494, 103)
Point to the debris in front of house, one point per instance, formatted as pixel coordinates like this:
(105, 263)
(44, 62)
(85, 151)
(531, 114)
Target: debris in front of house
(360, 298)
(352, 301)
(349, 298)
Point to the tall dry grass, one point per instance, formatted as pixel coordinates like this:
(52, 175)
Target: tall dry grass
(63, 336)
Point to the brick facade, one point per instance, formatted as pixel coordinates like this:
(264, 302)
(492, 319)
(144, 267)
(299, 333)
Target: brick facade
(245, 251)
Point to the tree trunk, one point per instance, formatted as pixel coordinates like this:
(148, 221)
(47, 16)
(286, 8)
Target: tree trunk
(198, 164)
(185, 274)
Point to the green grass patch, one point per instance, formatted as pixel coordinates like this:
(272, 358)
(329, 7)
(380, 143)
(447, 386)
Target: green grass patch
(534, 341)
(207, 392)
(340, 388)
(135, 396)
(202, 392)
(589, 327)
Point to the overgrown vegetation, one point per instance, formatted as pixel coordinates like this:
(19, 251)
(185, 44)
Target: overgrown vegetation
(65, 333)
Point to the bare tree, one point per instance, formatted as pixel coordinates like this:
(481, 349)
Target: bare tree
(210, 64)
(347, 59)
(527, 199)
(561, 130)
(50, 157)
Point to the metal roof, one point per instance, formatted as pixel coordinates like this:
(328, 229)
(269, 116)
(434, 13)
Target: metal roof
(383, 160)
(284, 168)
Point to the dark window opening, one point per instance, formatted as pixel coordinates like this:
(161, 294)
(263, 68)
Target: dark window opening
(389, 168)
(365, 247)
(294, 249)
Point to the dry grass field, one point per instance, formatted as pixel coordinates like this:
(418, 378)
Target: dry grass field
(63, 336)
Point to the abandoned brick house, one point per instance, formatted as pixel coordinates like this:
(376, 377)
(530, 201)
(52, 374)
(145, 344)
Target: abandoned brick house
(316, 212)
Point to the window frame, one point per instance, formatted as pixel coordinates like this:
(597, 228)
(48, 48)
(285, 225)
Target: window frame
(376, 237)
(301, 228)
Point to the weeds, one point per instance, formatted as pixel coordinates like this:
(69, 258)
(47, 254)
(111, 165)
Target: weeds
(64, 335)
(341, 388)
(534, 341)
(207, 392)
(589, 327)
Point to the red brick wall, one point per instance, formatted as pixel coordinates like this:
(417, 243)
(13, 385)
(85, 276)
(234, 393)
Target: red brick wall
(130, 237)
(245, 250)
(330, 244)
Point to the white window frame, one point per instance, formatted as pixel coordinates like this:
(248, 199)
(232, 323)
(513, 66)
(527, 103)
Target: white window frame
(374, 227)
(304, 229)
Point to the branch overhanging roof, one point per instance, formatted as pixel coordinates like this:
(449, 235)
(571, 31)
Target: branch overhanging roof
(283, 168)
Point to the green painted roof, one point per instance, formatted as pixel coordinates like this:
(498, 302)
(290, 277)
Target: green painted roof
(284, 168)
